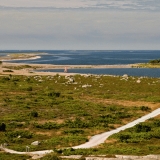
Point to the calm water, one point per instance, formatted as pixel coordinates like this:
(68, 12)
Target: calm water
(97, 58)
(113, 71)
(92, 57)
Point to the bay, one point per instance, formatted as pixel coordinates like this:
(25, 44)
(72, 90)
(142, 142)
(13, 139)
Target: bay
(95, 57)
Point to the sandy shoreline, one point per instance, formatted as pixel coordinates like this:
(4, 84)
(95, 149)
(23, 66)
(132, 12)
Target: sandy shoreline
(30, 69)
(35, 57)
(52, 66)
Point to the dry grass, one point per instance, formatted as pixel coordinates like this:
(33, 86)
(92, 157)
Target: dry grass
(124, 103)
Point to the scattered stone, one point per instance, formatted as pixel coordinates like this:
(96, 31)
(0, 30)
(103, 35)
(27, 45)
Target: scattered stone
(72, 157)
(138, 81)
(86, 85)
(37, 156)
(125, 76)
(35, 143)
(100, 158)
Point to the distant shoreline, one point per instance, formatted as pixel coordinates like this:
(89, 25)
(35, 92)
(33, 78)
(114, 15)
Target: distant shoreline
(30, 69)
(35, 57)
(52, 66)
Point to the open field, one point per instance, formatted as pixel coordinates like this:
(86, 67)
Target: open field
(62, 111)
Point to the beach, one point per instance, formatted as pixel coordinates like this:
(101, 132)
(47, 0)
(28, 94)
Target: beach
(33, 67)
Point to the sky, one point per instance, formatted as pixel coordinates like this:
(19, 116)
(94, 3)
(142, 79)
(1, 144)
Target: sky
(79, 24)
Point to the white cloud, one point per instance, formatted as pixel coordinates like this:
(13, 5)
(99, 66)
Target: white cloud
(80, 29)
(107, 4)
(79, 24)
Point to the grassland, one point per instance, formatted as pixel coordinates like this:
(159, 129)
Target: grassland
(65, 111)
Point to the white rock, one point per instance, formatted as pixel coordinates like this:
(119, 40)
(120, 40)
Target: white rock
(35, 143)
(138, 81)
(125, 76)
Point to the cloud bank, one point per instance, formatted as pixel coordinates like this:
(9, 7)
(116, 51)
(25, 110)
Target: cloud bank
(79, 24)
(153, 5)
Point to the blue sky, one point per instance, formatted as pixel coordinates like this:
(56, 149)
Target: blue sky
(80, 24)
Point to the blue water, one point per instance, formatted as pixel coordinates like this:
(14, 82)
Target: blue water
(94, 57)
(91, 57)
(145, 72)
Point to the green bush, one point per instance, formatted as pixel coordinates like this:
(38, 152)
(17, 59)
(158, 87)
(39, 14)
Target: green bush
(142, 128)
(4, 79)
(54, 94)
(77, 123)
(156, 133)
(124, 137)
(74, 131)
(16, 125)
(29, 88)
(145, 108)
(156, 123)
(155, 61)
(34, 114)
(51, 157)
(21, 133)
(8, 70)
(48, 125)
(2, 126)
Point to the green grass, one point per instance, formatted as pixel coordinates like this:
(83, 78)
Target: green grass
(60, 113)
(8, 156)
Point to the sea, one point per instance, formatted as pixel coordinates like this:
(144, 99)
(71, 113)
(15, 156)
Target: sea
(94, 57)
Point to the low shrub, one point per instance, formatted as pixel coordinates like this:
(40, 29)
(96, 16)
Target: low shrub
(51, 157)
(2, 126)
(54, 94)
(29, 88)
(34, 114)
(155, 61)
(145, 108)
(74, 131)
(142, 128)
(48, 125)
(21, 133)
(8, 70)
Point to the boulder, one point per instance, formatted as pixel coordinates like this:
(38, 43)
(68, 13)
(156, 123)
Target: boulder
(35, 143)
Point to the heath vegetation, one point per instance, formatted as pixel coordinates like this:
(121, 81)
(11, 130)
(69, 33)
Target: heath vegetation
(65, 111)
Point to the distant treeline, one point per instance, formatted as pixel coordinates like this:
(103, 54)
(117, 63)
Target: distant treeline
(155, 61)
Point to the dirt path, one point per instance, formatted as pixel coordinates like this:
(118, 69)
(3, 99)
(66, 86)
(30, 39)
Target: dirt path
(100, 138)
(35, 154)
